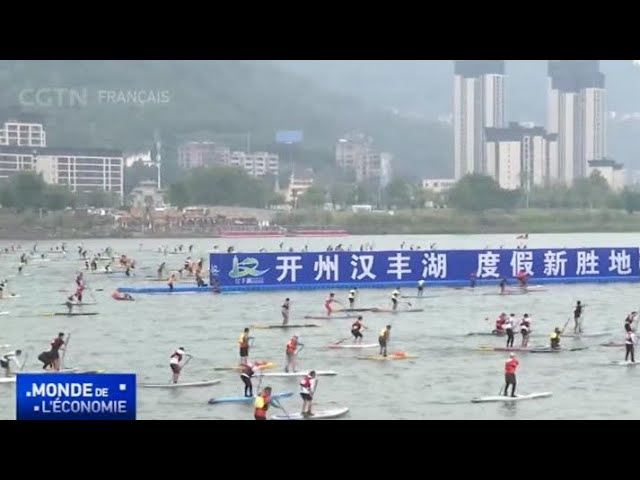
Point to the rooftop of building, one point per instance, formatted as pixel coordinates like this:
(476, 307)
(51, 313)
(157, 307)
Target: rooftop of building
(476, 68)
(515, 132)
(605, 162)
(61, 152)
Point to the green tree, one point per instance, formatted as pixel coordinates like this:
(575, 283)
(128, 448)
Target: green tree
(179, 195)
(136, 173)
(478, 193)
(630, 200)
(591, 192)
(400, 193)
(58, 197)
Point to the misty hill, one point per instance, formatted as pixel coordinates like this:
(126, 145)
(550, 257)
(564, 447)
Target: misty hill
(424, 88)
(219, 101)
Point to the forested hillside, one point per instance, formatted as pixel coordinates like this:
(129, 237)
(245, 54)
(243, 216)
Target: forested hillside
(217, 100)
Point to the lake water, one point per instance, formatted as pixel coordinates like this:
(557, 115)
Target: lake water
(446, 373)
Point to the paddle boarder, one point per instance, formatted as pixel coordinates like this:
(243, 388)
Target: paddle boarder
(356, 329)
(7, 358)
(352, 298)
(174, 363)
(70, 303)
(54, 354)
(629, 341)
(472, 279)
(510, 325)
(510, 374)
(243, 343)
(262, 403)
(285, 311)
(308, 387)
(499, 330)
(503, 286)
(329, 302)
(628, 322)
(248, 371)
(525, 329)
(172, 280)
(395, 295)
(383, 339)
(555, 339)
(292, 351)
(577, 317)
(420, 287)
(523, 278)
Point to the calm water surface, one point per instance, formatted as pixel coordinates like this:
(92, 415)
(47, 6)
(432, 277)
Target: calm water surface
(446, 373)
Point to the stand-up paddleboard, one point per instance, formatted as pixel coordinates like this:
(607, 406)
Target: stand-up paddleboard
(5, 313)
(291, 325)
(205, 383)
(67, 314)
(392, 356)
(260, 365)
(76, 304)
(557, 350)
(388, 310)
(517, 398)
(489, 334)
(331, 413)
(624, 363)
(585, 335)
(353, 345)
(355, 310)
(332, 317)
(240, 399)
(503, 349)
(323, 373)
(612, 344)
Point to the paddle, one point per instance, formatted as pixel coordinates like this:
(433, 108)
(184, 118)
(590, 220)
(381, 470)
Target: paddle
(64, 352)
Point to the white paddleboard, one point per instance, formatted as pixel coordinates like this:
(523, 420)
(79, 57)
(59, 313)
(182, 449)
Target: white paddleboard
(517, 398)
(332, 413)
(625, 363)
(5, 313)
(353, 345)
(328, 373)
(7, 379)
(9, 297)
(181, 385)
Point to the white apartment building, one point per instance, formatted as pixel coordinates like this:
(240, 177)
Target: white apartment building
(354, 152)
(256, 164)
(576, 111)
(83, 170)
(202, 154)
(478, 103)
(611, 171)
(132, 157)
(519, 156)
(16, 159)
(16, 133)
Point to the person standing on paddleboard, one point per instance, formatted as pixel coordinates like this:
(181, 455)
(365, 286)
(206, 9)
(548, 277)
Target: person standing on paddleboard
(292, 350)
(510, 374)
(629, 342)
(525, 330)
(243, 343)
(54, 354)
(499, 330)
(285, 311)
(420, 287)
(329, 302)
(248, 371)
(356, 330)
(523, 278)
(383, 340)
(7, 358)
(262, 403)
(395, 295)
(174, 363)
(503, 286)
(352, 298)
(577, 317)
(555, 339)
(308, 387)
(70, 303)
(510, 325)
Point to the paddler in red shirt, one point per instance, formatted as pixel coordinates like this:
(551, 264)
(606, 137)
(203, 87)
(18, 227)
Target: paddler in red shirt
(510, 374)
(523, 278)
(499, 330)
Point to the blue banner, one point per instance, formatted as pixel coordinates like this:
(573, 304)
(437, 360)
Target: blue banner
(292, 270)
(61, 396)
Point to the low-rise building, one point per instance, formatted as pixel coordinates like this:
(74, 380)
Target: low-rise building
(146, 194)
(611, 171)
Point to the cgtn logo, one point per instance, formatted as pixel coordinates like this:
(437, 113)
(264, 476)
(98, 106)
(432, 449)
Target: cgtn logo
(58, 396)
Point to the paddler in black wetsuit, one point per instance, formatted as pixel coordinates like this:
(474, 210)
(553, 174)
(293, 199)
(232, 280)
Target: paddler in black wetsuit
(199, 280)
(247, 372)
(577, 318)
(555, 339)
